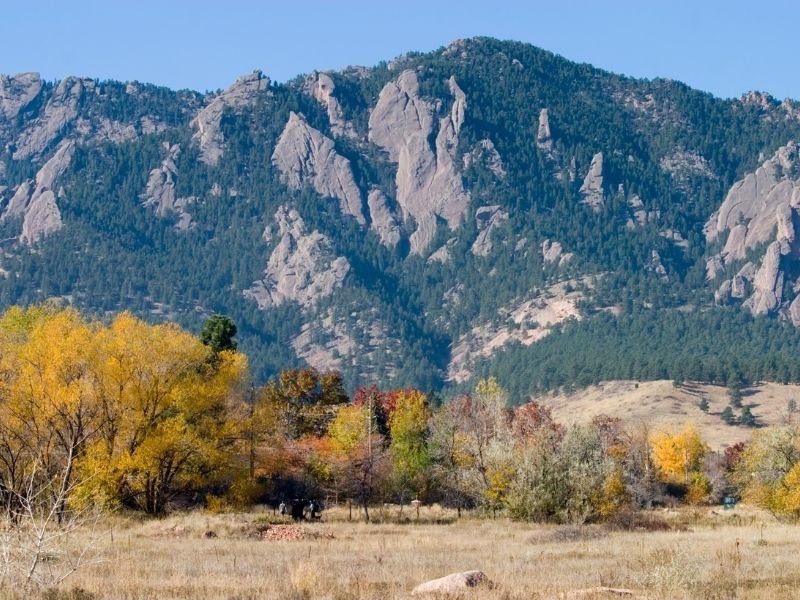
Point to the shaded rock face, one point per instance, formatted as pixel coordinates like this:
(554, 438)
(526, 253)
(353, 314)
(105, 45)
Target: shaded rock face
(35, 201)
(159, 192)
(302, 267)
(305, 156)
(487, 155)
(16, 93)
(639, 215)
(321, 88)
(61, 109)
(488, 219)
(759, 209)
(208, 134)
(324, 355)
(384, 220)
(428, 186)
(592, 188)
(356, 335)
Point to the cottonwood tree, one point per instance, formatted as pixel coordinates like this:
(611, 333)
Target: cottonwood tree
(166, 430)
(408, 448)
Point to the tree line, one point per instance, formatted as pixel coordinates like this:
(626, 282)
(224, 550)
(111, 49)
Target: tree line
(126, 414)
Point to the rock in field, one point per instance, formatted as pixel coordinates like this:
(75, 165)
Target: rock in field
(454, 583)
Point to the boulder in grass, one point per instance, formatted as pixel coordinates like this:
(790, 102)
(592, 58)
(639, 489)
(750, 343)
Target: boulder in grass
(454, 583)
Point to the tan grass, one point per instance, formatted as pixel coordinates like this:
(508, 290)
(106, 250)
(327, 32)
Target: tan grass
(714, 554)
(661, 405)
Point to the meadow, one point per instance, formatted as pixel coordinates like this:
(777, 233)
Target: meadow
(706, 553)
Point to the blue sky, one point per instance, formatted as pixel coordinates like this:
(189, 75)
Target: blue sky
(725, 47)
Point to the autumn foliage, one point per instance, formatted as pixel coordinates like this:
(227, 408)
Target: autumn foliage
(127, 414)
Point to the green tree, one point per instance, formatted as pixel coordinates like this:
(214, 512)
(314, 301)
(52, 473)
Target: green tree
(408, 427)
(727, 415)
(747, 418)
(218, 333)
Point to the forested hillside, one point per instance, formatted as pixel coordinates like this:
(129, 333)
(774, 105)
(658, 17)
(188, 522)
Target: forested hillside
(487, 208)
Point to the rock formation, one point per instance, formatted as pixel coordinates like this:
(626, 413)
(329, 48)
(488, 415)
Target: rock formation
(759, 209)
(321, 87)
(160, 194)
(683, 166)
(553, 252)
(322, 342)
(35, 201)
(488, 219)
(768, 283)
(208, 134)
(301, 268)
(794, 311)
(428, 185)
(532, 320)
(544, 140)
(486, 154)
(442, 254)
(454, 584)
(654, 265)
(61, 109)
(592, 188)
(16, 93)
(305, 156)
(751, 208)
(384, 221)
(638, 213)
(104, 129)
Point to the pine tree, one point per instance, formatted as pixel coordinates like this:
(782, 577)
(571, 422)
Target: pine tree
(747, 418)
(727, 415)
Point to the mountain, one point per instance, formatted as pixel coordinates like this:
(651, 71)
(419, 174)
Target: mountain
(489, 207)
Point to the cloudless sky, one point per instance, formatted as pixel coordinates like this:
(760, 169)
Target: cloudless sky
(725, 47)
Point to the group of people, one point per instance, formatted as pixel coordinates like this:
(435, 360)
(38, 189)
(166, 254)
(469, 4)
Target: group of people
(300, 510)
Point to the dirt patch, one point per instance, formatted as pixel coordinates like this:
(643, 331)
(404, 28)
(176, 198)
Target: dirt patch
(290, 533)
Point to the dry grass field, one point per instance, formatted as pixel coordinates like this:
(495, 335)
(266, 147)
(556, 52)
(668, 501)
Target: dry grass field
(661, 405)
(705, 554)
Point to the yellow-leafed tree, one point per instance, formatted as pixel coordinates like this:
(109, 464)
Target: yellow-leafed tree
(165, 402)
(677, 455)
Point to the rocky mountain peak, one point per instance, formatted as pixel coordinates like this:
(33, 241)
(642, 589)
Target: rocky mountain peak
(762, 100)
(428, 185)
(61, 109)
(16, 92)
(321, 87)
(240, 94)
